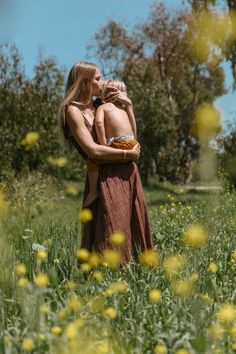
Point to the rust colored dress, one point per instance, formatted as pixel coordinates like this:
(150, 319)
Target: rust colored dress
(121, 206)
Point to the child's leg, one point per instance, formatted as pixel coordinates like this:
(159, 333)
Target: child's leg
(93, 172)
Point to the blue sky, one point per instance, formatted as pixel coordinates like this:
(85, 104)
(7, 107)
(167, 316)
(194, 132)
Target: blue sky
(64, 28)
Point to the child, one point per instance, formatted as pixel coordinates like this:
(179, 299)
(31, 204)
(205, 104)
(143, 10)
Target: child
(115, 127)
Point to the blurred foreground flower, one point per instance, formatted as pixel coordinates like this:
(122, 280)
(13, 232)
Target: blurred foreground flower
(82, 254)
(172, 265)
(28, 344)
(212, 268)
(154, 296)
(71, 189)
(117, 238)
(118, 287)
(207, 122)
(20, 269)
(42, 255)
(85, 215)
(149, 258)
(183, 288)
(23, 282)
(30, 140)
(41, 280)
(181, 351)
(195, 236)
(160, 349)
(216, 332)
(98, 276)
(226, 313)
(111, 258)
(56, 330)
(110, 312)
(58, 162)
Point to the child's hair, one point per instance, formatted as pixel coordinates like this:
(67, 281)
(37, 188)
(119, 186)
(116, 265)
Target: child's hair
(110, 85)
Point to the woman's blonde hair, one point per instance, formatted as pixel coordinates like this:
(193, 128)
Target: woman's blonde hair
(109, 84)
(79, 89)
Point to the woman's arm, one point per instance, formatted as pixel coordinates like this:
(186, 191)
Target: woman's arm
(99, 125)
(130, 112)
(81, 134)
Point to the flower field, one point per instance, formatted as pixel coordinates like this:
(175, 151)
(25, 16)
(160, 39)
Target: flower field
(178, 299)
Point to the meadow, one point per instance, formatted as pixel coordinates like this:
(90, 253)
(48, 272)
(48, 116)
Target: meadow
(179, 299)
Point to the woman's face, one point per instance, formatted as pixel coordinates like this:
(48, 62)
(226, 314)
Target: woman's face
(96, 84)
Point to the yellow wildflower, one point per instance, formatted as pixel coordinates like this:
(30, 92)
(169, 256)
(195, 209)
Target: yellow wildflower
(59, 162)
(212, 268)
(56, 261)
(194, 276)
(154, 296)
(206, 298)
(82, 254)
(110, 312)
(45, 309)
(216, 332)
(207, 122)
(42, 255)
(97, 304)
(20, 269)
(74, 304)
(62, 314)
(195, 236)
(111, 258)
(103, 348)
(232, 332)
(85, 215)
(30, 140)
(118, 287)
(183, 288)
(23, 282)
(108, 292)
(160, 349)
(85, 267)
(94, 259)
(41, 336)
(173, 264)
(181, 351)
(233, 346)
(117, 238)
(149, 258)
(226, 313)
(71, 330)
(41, 280)
(28, 344)
(98, 276)
(70, 284)
(56, 330)
(71, 189)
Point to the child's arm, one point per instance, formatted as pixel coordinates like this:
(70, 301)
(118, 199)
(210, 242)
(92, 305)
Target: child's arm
(99, 125)
(132, 120)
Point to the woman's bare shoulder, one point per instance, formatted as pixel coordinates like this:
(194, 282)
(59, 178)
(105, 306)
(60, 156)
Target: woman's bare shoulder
(73, 111)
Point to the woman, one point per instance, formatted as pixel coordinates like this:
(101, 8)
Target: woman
(121, 204)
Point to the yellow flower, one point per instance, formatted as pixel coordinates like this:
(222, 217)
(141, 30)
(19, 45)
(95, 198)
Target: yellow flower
(20, 269)
(71, 189)
(226, 313)
(181, 351)
(94, 259)
(41, 280)
(62, 314)
(183, 288)
(233, 255)
(28, 344)
(154, 296)
(56, 261)
(41, 336)
(85, 215)
(149, 258)
(233, 346)
(117, 238)
(74, 304)
(118, 287)
(98, 276)
(72, 328)
(97, 304)
(45, 309)
(103, 348)
(71, 284)
(160, 349)
(82, 254)
(232, 332)
(85, 267)
(42, 255)
(212, 268)
(194, 276)
(216, 332)
(207, 122)
(59, 162)
(23, 282)
(110, 312)
(108, 292)
(111, 258)
(195, 236)
(30, 140)
(173, 264)
(56, 330)
(206, 298)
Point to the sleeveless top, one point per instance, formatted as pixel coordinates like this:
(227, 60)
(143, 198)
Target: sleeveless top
(70, 137)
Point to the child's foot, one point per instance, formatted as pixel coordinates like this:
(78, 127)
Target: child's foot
(91, 197)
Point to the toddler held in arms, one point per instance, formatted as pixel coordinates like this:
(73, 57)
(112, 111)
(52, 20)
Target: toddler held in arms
(115, 127)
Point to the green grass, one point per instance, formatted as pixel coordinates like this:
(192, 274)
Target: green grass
(40, 213)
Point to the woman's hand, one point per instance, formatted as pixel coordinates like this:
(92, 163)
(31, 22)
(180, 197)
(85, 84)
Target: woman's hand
(117, 96)
(135, 151)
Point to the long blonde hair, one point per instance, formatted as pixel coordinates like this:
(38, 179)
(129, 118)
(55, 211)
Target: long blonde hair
(79, 89)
